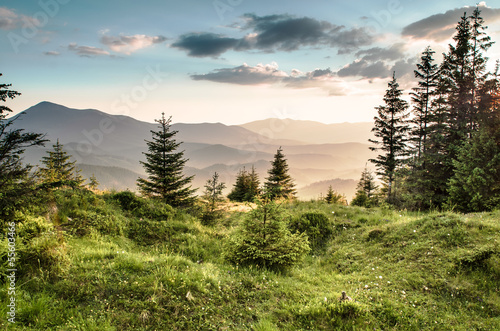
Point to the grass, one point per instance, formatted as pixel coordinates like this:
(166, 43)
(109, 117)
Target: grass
(403, 270)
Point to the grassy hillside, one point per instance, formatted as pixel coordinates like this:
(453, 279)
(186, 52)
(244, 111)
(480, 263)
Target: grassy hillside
(109, 262)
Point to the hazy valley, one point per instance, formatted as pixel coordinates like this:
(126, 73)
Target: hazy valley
(111, 146)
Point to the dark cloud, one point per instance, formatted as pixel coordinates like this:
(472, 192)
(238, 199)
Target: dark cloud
(440, 27)
(276, 33)
(205, 44)
(282, 32)
(245, 75)
(395, 52)
(365, 69)
(270, 74)
(379, 62)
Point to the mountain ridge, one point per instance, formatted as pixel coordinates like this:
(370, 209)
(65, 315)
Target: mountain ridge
(98, 139)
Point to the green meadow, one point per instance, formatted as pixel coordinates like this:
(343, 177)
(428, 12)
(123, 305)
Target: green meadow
(114, 261)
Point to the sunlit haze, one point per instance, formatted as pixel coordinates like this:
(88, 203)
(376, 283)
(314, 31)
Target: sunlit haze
(229, 61)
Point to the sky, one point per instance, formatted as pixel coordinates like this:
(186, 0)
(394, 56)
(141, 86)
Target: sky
(228, 61)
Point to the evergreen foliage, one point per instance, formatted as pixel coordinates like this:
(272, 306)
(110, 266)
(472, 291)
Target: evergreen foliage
(475, 185)
(390, 129)
(427, 73)
(317, 226)
(456, 109)
(93, 183)
(265, 241)
(213, 195)
(334, 197)
(279, 184)
(246, 187)
(164, 166)
(59, 170)
(366, 190)
(15, 180)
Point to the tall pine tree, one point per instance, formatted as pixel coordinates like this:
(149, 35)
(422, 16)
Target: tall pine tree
(59, 169)
(279, 184)
(390, 129)
(164, 166)
(15, 181)
(427, 74)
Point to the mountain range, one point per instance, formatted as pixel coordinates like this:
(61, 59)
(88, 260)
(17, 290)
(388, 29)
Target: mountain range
(112, 146)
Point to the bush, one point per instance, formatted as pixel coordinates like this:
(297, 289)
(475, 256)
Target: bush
(265, 241)
(143, 208)
(317, 226)
(39, 248)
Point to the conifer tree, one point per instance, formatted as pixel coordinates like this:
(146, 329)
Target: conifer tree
(93, 183)
(279, 184)
(390, 129)
(164, 166)
(253, 189)
(58, 168)
(213, 195)
(365, 190)
(15, 181)
(332, 197)
(213, 191)
(428, 75)
(240, 187)
(246, 187)
(475, 185)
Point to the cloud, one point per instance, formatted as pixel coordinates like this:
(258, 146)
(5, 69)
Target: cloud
(9, 20)
(52, 53)
(245, 75)
(379, 62)
(87, 51)
(440, 27)
(129, 44)
(276, 33)
(395, 52)
(365, 69)
(269, 74)
(205, 44)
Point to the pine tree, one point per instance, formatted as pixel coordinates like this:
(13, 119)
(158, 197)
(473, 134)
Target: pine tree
(213, 195)
(366, 190)
(391, 129)
(246, 187)
(332, 197)
(253, 189)
(240, 188)
(93, 183)
(279, 184)
(164, 167)
(15, 181)
(428, 75)
(265, 240)
(480, 42)
(59, 169)
(213, 192)
(475, 185)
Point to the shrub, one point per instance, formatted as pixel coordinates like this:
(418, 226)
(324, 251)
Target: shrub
(39, 248)
(143, 208)
(264, 240)
(317, 227)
